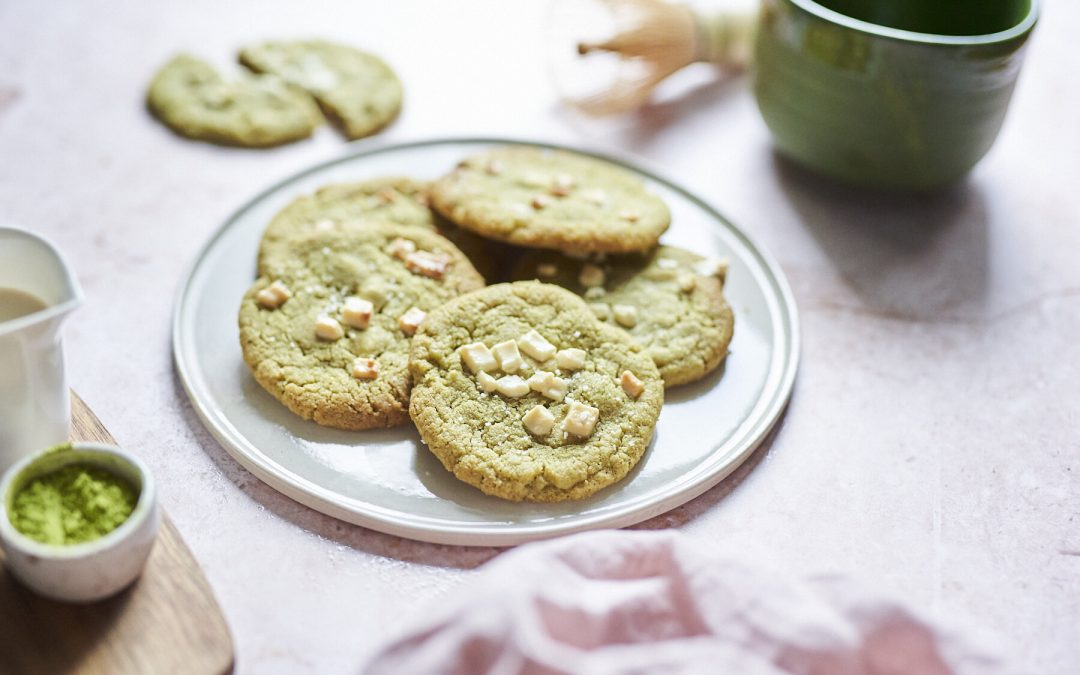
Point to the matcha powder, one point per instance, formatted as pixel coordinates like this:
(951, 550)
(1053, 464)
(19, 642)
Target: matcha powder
(72, 505)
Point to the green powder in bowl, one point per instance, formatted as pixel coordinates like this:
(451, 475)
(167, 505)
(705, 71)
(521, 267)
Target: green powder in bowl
(72, 505)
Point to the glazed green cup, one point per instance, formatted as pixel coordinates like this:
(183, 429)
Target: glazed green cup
(894, 94)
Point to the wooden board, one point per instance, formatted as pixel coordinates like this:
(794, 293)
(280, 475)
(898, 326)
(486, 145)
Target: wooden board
(167, 622)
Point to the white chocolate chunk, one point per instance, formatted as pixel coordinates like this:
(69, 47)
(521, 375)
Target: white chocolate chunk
(273, 296)
(365, 369)
(399, 248)
(328, 328)
(581, 419)
(508, 356)
(548, 384)
(495, 167)
(534, 344)
(591, 276)
(631, 384)
(431, 265)
(710, 267)
(597, 197)
(595, 292)
(547, 270)
(625, 315)
(538, 421)
(540, 201)
(667, 263)
(357, 312)
(570, 359)
(562, 185)
(512, 386)
(601, 310)
(324, 225)
(410, 320)
(487, 382)
(686, 282)
(478, 357)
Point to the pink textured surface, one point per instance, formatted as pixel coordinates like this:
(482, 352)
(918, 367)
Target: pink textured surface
(933, 443)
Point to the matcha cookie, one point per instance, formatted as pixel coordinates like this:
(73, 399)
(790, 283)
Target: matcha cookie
(522, 393)
(327, 330)
(551, 199)
(194, 100)
(355, 89)
(390, 200)
(670, 300)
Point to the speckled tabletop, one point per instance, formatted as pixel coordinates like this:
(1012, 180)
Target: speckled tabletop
(932, 445)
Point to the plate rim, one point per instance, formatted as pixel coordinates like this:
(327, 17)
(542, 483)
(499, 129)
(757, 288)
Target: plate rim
(688, 486)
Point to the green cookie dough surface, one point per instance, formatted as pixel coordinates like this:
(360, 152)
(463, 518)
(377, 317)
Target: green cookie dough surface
(481, 438)
(391, 201)
(551, 199)
(686, 329)
(194, 100)
(355, 89)
(313, 377)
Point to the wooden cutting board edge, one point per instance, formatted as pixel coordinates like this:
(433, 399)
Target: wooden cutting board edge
(168, 622)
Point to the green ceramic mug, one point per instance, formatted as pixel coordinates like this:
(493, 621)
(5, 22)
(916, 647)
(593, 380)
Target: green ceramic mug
(896, 94)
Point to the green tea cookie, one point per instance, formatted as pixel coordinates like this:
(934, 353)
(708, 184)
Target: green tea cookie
(522, 393)
(327, 330)
(390, 200)
(355, 89)
(551, 199)
(254, 110)
(670, 300)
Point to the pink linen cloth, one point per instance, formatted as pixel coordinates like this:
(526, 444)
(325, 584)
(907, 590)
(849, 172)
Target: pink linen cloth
(621, 602)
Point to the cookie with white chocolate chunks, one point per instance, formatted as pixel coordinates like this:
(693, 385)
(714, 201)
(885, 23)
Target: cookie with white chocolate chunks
(391, 200)
(327, 330)
(551, 199)
(519, 391)
(196, 101)
(356, 90)
(670, 300)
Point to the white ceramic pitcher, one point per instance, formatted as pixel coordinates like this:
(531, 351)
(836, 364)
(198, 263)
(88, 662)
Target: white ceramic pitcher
(35, 404)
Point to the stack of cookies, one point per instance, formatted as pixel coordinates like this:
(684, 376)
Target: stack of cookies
(371, 309)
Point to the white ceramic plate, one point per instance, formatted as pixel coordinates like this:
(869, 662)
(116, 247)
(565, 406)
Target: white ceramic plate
(387, 480)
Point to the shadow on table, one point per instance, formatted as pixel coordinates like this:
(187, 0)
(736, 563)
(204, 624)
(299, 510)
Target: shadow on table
(441, 555)
(908, 257)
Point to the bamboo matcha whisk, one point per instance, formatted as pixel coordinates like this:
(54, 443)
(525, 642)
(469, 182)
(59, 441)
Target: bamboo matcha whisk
(609, 55)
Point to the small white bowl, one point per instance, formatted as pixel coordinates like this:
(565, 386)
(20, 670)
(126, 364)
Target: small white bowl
(93, 570)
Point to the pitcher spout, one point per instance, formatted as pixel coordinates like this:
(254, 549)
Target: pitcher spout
(38, 287)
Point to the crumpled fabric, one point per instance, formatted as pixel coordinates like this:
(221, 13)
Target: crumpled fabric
(622, 602)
